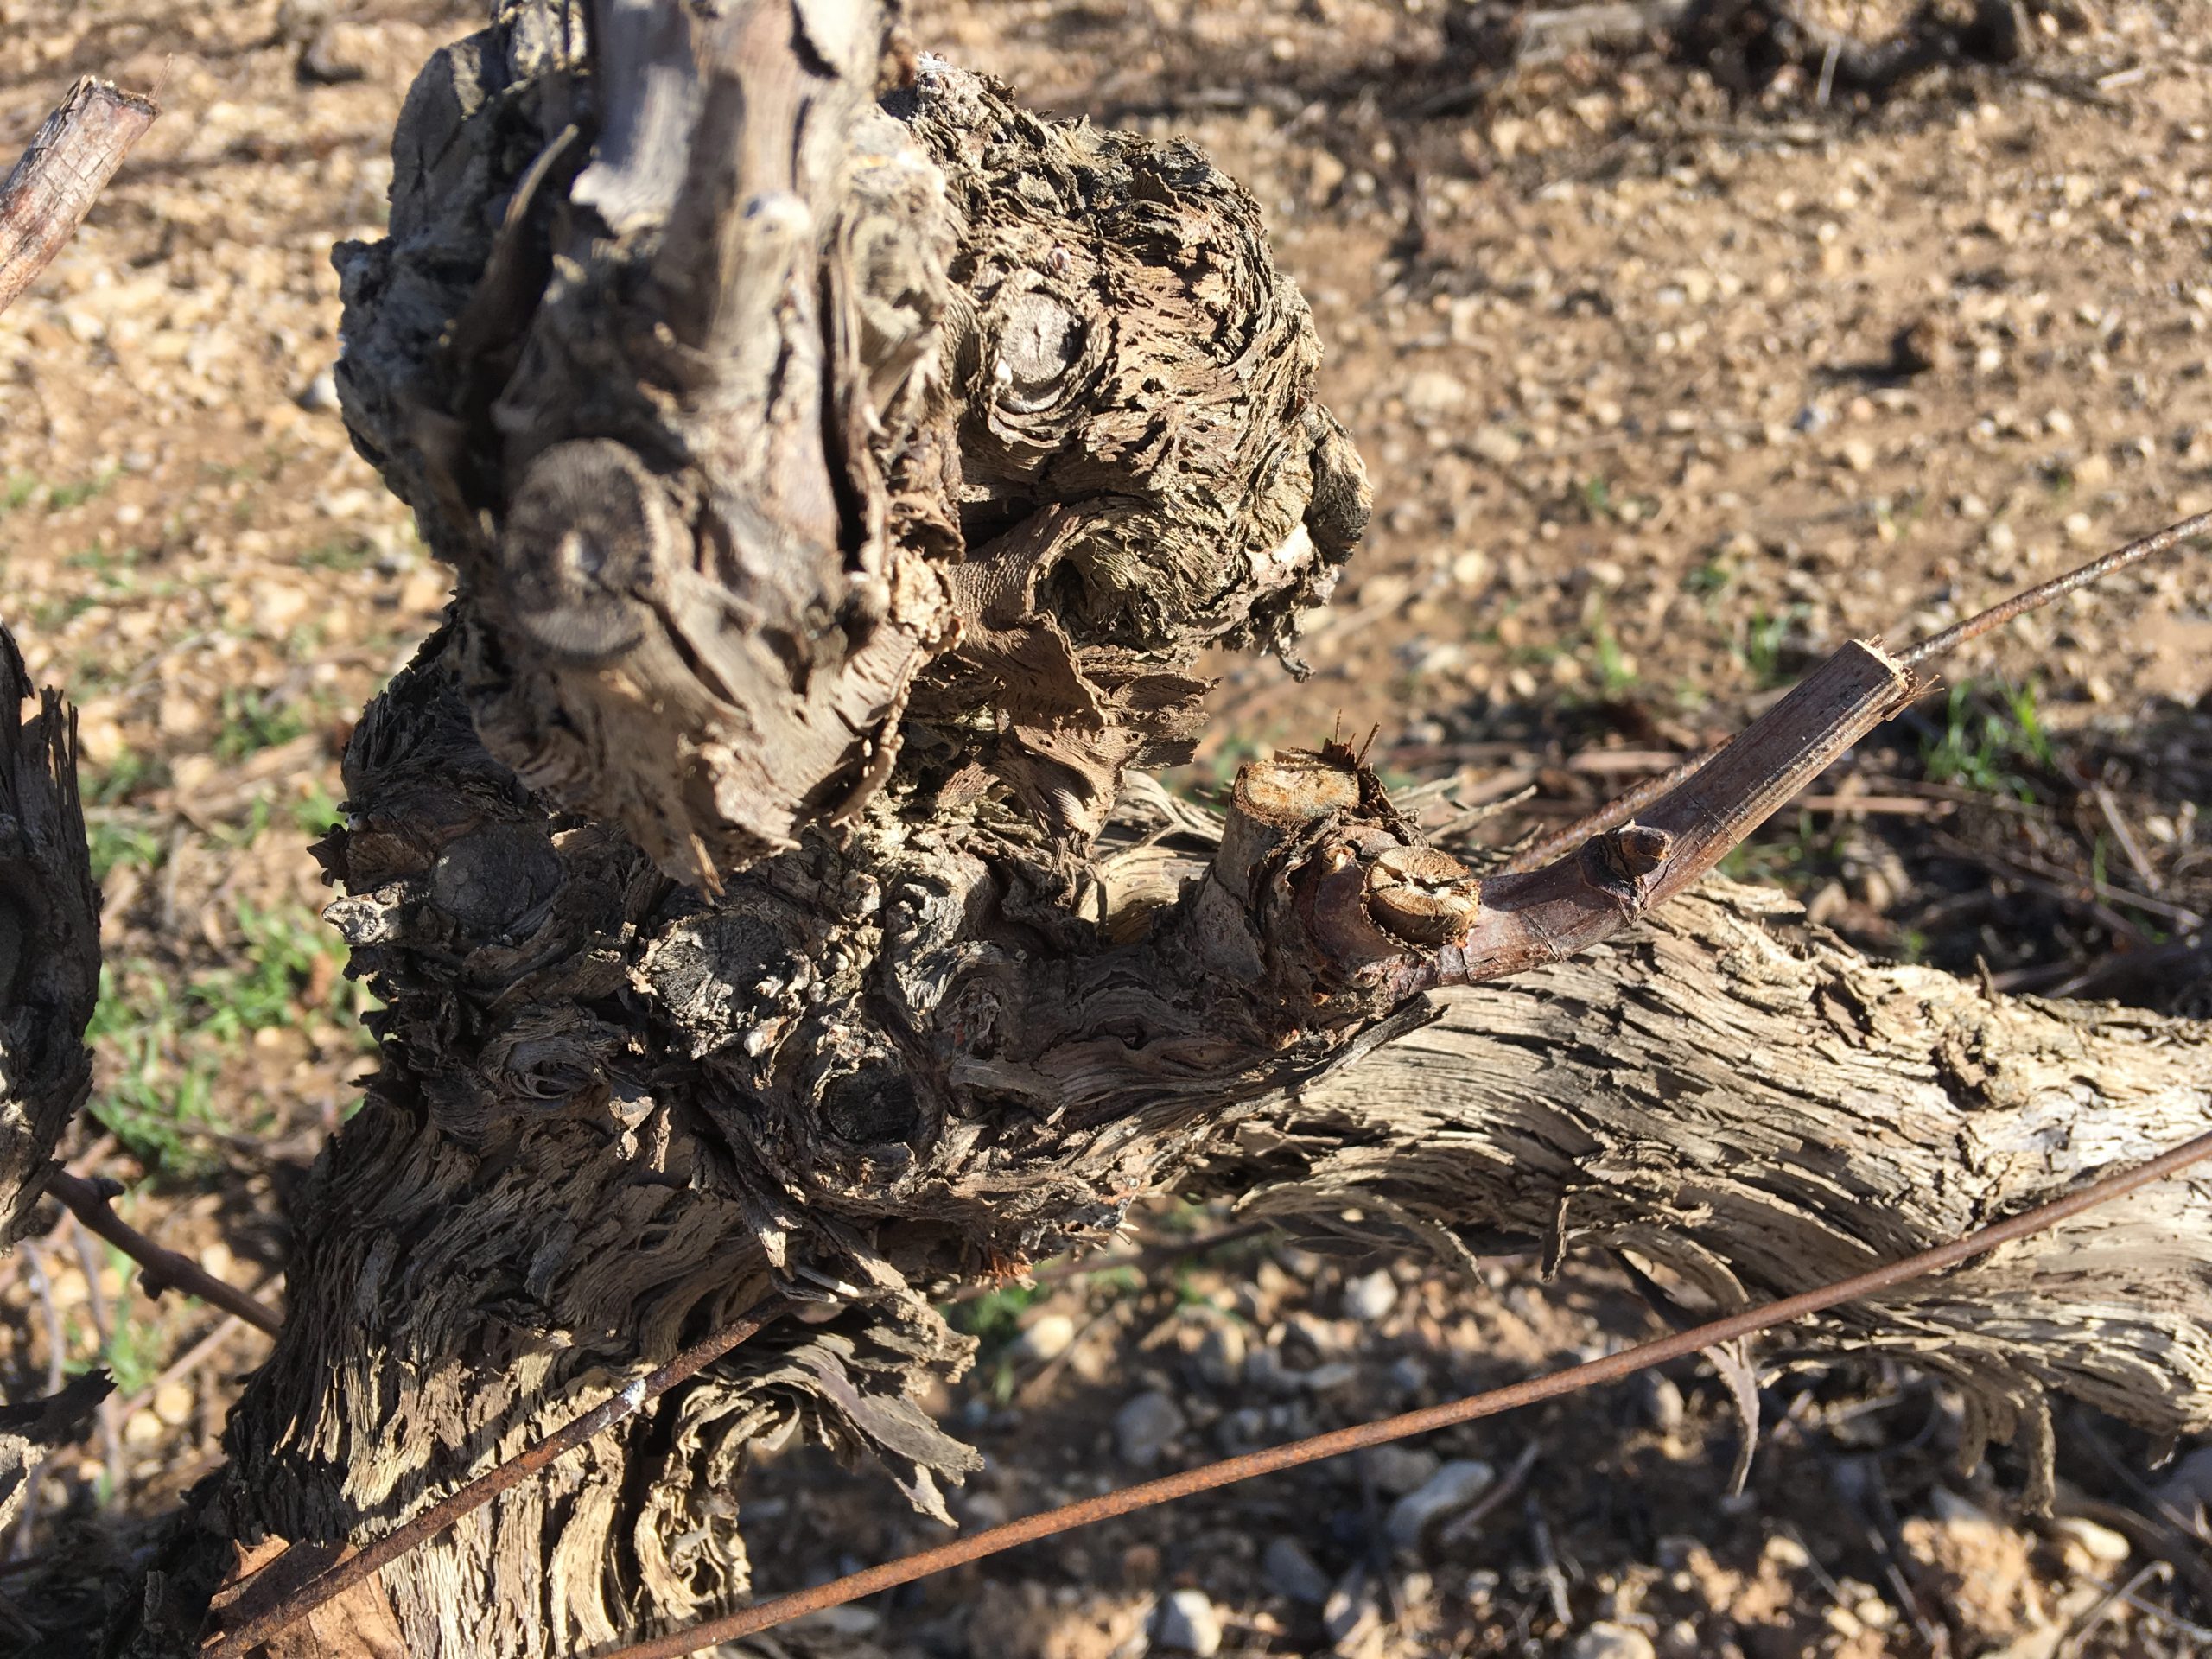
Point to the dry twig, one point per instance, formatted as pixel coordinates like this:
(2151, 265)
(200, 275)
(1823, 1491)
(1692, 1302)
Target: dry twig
(161, 1269)
(64, 167)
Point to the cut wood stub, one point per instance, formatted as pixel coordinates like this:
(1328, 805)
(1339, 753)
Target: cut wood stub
(789, 445)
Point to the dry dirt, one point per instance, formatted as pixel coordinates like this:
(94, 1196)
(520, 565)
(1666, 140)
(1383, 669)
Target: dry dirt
(1665, 388)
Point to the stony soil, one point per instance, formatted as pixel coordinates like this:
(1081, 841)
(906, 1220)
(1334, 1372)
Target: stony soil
(1665, 387)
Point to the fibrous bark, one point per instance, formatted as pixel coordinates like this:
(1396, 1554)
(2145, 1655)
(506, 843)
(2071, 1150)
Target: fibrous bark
(844, 472)
(49, 940)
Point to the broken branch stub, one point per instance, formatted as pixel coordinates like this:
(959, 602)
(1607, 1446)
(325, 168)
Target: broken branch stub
(62, 172)
(795, 446)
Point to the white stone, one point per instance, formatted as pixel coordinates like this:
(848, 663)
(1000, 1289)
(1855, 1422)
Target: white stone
(1605, 1640)
(1370, 1296)
(1451, 1487)
(1049, 1335)
(1431, 391)
(1188, 1623)
(2100, 1544)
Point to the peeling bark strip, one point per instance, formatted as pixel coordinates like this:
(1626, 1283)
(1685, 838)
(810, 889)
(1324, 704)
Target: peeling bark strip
(46, 194)
(842, 490)
(49, 940)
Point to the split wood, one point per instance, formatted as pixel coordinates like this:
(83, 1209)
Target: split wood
(779, 1610)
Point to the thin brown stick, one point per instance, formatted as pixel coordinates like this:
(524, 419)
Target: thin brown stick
(162, 1269)
(337, 1580)
(1624, 810)
(890, 1574)
(46, 194)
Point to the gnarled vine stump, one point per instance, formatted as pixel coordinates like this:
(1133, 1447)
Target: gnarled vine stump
(844, 472)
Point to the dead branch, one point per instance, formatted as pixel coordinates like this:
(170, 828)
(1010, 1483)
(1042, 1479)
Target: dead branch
(49, 940)
(68, 162)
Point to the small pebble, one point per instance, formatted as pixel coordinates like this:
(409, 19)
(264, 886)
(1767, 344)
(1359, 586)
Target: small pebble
(1144, 1427)
(1397, 1470)
(2101, 1545)
(1370, 1296)
(318, 394)
(1188, 1623)
(1451, 1487)
(1292, 1572)
(1604, 1640)
(1324, 1379)
(1050, 1337)
(173, 1403)
(1220, 1358)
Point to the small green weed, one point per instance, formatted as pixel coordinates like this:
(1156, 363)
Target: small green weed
(283, 948)
(251, 722)
(110, 843)
(1983, 747)
(62, 497)
(133, 1353)
(994, 1317)
(162, 1093)
(129, 775)
(341, 554)
(1760, 648)
(316, 813)
(1616, 679)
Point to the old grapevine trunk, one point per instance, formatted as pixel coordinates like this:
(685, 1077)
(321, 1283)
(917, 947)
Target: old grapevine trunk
(843, 471)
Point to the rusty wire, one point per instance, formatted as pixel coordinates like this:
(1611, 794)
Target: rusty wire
(779, 1610)
(338, 1579)
(1623, 808)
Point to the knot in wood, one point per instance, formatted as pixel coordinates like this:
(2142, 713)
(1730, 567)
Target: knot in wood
(1422, 895)
(587, 535)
